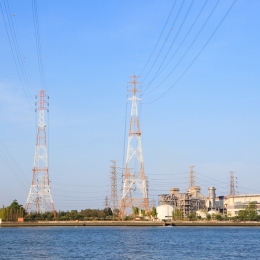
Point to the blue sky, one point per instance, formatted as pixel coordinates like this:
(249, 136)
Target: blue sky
(209, 118)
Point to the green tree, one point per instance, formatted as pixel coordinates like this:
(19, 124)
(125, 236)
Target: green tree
(208, 217)
(177, 214)
(12, 212)
(154, 212)
(218, 217)
(108, 211)
(15, 205)
(249, 213)
(135, 211)
(3, 213)
(192, 216)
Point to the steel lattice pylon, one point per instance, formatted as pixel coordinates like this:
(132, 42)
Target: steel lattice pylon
(232, 184)
(113, 192)
(40, 199)
(134, 176)
(191, 177)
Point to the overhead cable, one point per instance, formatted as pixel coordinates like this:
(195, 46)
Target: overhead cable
(195, 58)
(167, 20)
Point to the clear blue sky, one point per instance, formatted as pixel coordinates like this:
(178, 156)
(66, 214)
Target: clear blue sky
(208, 118)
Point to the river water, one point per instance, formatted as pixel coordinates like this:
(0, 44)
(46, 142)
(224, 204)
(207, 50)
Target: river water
(130, 243)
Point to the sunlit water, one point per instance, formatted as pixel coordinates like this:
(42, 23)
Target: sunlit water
(130, 243)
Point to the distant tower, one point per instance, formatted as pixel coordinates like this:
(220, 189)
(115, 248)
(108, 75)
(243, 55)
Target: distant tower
(106, 202)
(232, 184)
(113, 194)
(191, 177)
(39, 199)
(134, 180)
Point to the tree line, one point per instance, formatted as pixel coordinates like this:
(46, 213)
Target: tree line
(15, 211)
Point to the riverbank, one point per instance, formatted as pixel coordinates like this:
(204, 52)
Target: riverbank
(81, 223)
(130, 224)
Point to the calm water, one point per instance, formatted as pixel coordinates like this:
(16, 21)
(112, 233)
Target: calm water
(130, 243)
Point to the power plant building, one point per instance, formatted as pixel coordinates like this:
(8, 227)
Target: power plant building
(194, 201)
(238, 202)
(188, 202)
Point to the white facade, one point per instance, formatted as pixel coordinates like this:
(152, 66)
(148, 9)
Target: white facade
(164, 212)
(237, 202)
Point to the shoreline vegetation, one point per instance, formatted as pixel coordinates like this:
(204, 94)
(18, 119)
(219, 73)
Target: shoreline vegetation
(130, 223)
(16, 216)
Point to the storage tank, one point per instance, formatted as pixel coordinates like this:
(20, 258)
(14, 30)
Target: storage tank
(164, 212)
(212, 197)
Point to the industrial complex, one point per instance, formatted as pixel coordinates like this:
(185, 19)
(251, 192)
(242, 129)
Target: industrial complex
(135, 191)
(193, 201)
(134, 196)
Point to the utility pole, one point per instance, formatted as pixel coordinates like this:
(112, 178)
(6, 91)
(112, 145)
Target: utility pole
(40, 199)
(113, 195)
(192, 177)
(134, 176)
(232, 184)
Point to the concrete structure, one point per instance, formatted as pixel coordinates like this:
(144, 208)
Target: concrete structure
(212, 197)
(194, 201)
(195, 192)
(188, 202)
(234, 203)
(164, 212)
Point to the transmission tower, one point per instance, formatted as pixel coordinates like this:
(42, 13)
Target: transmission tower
(192, 177)
(113, 194)
(232, 184)
(39, 199)
(106, 202)
(134, 180)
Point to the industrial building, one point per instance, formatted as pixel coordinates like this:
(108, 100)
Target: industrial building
(188, 202)
(165, 212)
(194, 201)
(238, 202)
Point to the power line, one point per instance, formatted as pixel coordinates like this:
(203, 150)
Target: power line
(190, 46)
(15, 49)
(166, 39)
(15, 40)
(180, 45)
(198, 54)
(38, 42)
(76, 185)
(167, 20)
(13, 166)
(172, 43)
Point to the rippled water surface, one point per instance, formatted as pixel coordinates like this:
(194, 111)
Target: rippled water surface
(130, 243)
